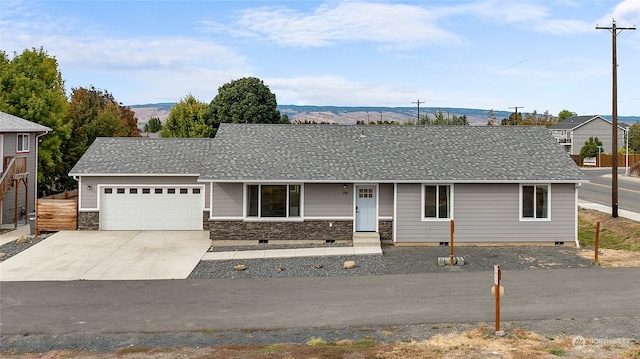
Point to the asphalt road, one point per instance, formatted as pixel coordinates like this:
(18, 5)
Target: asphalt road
(599, 190)
(57, 308)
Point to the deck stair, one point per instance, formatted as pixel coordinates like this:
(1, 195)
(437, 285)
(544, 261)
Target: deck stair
(15, 168)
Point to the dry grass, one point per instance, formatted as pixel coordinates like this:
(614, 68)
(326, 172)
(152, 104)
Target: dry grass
(619, 242)
(477, 343)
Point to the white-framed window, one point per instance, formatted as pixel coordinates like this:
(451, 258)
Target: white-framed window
(23, 143)
(437, 201)
(535, 202)
(273, 200)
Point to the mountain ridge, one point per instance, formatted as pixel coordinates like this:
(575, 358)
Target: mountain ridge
(351, 114)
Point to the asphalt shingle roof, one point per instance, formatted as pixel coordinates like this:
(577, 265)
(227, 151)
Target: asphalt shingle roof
(11, 123)
(254, 152)
(136, 155)
(572, 123)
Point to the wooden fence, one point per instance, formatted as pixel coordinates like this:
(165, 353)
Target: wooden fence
(56, 215)
(605, 160)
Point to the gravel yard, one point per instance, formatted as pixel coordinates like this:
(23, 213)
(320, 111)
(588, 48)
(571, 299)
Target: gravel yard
(398, 260)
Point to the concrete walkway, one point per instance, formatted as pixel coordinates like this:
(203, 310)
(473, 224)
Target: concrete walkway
(15, 234)
(293, 252)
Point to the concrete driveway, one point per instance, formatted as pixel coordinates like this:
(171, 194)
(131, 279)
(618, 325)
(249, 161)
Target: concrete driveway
(109, 255)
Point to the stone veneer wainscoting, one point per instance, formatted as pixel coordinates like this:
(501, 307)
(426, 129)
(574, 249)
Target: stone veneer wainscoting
(256, 231)
(89, 221)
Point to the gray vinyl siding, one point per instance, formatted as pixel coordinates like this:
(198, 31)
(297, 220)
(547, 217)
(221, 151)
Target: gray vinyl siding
(89, 199)
(596, 128)
(328, 200)
(490, 213)
(486, 213)
(9, 143)
(227, 200)
(385, 202)
(409, 224)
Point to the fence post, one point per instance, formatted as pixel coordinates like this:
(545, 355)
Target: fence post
(595, 246)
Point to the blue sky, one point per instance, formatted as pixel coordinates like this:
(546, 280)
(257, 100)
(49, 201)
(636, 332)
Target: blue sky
(543, 55)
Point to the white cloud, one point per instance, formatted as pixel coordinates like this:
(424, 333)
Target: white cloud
(527, 15)
(626, 14)
(172, 52)
(405, 26)
(148, 65)
(563, 26)
(339, 91)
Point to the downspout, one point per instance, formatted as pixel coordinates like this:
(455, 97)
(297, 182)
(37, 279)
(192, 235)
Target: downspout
(35, 193)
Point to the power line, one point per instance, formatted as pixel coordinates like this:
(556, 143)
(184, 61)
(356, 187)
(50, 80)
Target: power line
(418, 103)
(614, 30)
(517, 107)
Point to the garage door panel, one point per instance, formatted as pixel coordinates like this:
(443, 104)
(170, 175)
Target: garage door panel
(151, 207)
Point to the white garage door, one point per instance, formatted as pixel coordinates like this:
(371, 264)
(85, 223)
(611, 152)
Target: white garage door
(151, 207)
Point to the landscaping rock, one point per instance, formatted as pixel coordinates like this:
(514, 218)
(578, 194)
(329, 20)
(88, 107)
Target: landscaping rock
(349, 264)
(21, 240)
(240, 267)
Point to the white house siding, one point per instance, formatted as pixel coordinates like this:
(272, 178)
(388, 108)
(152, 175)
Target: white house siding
(89, 197)
(486, 213)
(328, 200)
(596, 128)
(227, 200)
(9, 143)
(385, 202)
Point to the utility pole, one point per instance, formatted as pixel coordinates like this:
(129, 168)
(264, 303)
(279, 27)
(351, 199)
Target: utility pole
(614, 115)
(418, 103)
(517, 107)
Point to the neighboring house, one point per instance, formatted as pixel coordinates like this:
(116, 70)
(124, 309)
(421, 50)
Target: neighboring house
(573, 132)
(329, 182)
(19, 167)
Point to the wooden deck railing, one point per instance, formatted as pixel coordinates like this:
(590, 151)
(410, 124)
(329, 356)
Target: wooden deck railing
(13, 166)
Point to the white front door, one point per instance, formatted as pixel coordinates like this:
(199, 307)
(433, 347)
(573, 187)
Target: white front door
(366, 209)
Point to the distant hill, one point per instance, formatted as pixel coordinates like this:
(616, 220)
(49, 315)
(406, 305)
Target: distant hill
(349, 115)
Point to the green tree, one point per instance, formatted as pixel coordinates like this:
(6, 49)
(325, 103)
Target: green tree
(188, 118)
(285, 118)
(546, 120)
(512, 120)
(247, 100)
(565, 114)
(530, 119)
(634, 138)
(153, 125)
(491, 118)
(31, 87)
(93, 113)
(441, 120)
(590, 147)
